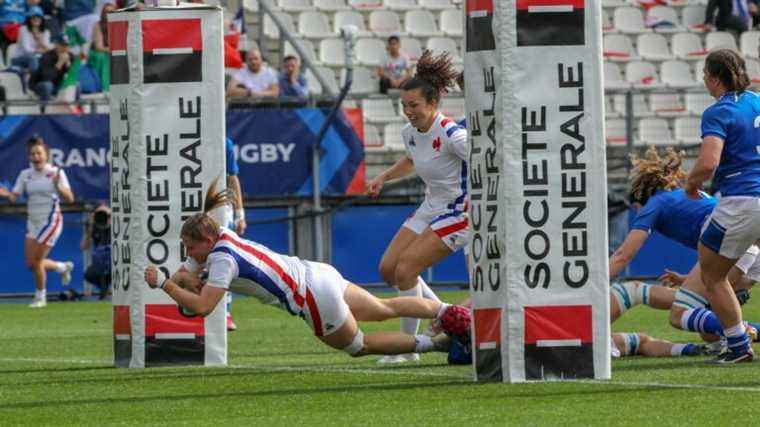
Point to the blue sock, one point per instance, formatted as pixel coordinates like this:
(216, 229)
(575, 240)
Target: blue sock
(690, 350)
(701, 320)
(738, 340)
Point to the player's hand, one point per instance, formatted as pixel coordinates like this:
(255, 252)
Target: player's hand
(4, 192)
(671, 279)
(374, 186)
(240, 226)
(692, 190)
(154, 277)
(57, 177)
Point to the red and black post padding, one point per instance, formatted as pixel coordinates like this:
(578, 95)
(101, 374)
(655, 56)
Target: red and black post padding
(488, 343)
(550, 22)
(171, 338)
(479, 25)
(117, 45)
(172, 50)
(559, 342)
(122, 335)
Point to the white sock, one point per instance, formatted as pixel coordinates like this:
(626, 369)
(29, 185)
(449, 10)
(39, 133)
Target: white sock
(423, 344)
(59, 267)
(676, 350)
(734, 331)
(427, 293)
(40, 295)
(410, 325)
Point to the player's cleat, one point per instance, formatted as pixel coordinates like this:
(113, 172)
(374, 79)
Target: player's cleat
(231, 326)
(455, 321)
(734, 357)
(38, 303)
(716, 348)
(395, 359)
(66, 275)
(695, 350)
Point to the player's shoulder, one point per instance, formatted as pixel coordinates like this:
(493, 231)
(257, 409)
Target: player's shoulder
(407, 131)
(450, 128)
(25, 173)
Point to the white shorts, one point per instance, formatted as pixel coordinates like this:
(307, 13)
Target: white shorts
(325, 310)
(733, 226)
(749, 263)
(449, 223)
(46, 232)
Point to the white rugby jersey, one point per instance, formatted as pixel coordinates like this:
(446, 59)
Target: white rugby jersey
(42, 197)
(440, 159)
(248, 268)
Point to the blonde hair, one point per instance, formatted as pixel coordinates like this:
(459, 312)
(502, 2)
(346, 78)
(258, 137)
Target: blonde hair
(201, 225)
(654, 172)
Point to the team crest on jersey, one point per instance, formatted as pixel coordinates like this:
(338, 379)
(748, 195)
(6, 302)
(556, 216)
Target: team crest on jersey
(437, 144)
(411, 142)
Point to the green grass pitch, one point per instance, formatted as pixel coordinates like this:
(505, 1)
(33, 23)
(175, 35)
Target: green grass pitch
(56, 369)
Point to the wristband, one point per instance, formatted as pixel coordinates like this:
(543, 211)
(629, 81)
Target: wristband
(162, 279)
(239, 214)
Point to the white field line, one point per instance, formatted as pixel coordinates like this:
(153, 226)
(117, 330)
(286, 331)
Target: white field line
(401, 372)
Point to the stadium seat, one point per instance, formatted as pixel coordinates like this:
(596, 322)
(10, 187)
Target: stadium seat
(314, 86)
(697, 103)
(12, 84)
(454, 107)
(687, 46)
(271, 30)
(720, 39)
(654, 131)
(642, 75)
(350, 17)
(663, 19)
(753, 70)
(251, 5)
(295, 5)
(306, 45)
(618, 47)
(640, 105)
(384, 23)
(380, 110)
(629, 20)
(402, 5)
(331, 5)
(370, 52)
(688, 130)
(365, 4)
(749, 42)
(677, 74)
(693, 18)
(24, 109)
(392, 136)
(103, 108)
(451, 22)
(412, 48)
(699, 67)
(609, 4)
(615, 132)
(331, 52)
(653, 47)
(609, 108)
(444, 44)
(364, 83)
(613, 79)
(607, 26)
(314, 25)
(436, 4)
(420, 23)
(372, 138)
(667, 104)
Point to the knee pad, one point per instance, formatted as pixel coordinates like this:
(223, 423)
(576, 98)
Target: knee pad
(630, 294)
(357, 345)
(688, 300)
(632, 342)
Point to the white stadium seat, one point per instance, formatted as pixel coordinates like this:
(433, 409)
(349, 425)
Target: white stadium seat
(444, 44)
(451, 22)
(697, 103)
(420, 23)
(607, 26)
(12, 84)
(436, 4)
(295, 5)
(618, 47)
(654, 131)
(653, 47)
(370, 52)
(384, 23)
(677, 74)
(720, 39)
(306, 45)
(392, 136)
(667, 104)
(411, 47)
(642, 75)
(753, 70)
(401, 4)
(453, 107)
(613, 78)
(688, 130)
(640, 105)
(693, 17)
(332, 53)
(24, 109)
(380, 110)
(610, 4)
(615, 132)
(331, 5)
(687, 46)
(609, 108)
(314, 86)
(314, 25)
(750, 43)
(350, 17)
(629, 20)
(365, 4)
(663, 19)
(372, 138)
(365, 81)
(271, 30)
(251, 5)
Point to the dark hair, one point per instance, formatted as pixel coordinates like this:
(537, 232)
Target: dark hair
(37, 140)
(728, 67)
(435, 75)
(28, 22)
(288, 58)
(394, 37)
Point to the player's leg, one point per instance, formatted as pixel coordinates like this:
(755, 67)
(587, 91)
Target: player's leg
(689, 311)
(654, 347)
(624, 296)
(34, 253)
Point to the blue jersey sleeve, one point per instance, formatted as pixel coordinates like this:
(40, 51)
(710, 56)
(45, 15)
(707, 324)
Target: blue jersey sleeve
(232, 166)
(647, 217)
(715, 122)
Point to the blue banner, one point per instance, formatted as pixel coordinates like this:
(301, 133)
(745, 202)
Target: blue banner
(273, 147)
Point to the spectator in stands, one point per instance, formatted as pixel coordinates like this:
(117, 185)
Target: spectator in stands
(98, 56)
(52, 67)
(395, 69)
(80, 17)
(256, 79)
(33, 41)
(291, 80)
(97, 239)
(12, 16)
(728, 15)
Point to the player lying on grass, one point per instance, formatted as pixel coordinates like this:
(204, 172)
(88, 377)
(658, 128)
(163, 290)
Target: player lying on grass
(328, 303)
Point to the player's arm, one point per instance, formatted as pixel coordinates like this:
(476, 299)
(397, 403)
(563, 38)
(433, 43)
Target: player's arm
(627, 251)
(403, 167)
(10, 195)
(707, 162)
(235, 89)
(233, 183)
(457, 144)
(203, 303)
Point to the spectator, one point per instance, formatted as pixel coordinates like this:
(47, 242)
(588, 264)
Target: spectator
(33, 41)
(292, 82)
(12, 15)
(97, 239)
(81, 17)
(728, 15)
(256, 79)
(395, 70)
(98, 57)
(52, 67)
